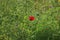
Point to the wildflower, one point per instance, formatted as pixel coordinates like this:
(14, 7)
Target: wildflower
(31, 18)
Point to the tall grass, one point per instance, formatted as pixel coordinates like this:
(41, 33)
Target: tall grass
(15, 24)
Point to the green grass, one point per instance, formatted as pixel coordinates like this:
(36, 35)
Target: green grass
(15, 25)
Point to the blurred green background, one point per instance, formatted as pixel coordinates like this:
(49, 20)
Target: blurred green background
(15, 23)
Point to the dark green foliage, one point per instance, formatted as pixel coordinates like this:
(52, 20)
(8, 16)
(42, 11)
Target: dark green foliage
(15, 24)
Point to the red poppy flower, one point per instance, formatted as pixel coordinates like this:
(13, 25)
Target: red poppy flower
(31, 18)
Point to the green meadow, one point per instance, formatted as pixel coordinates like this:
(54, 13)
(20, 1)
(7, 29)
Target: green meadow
(15, 23)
